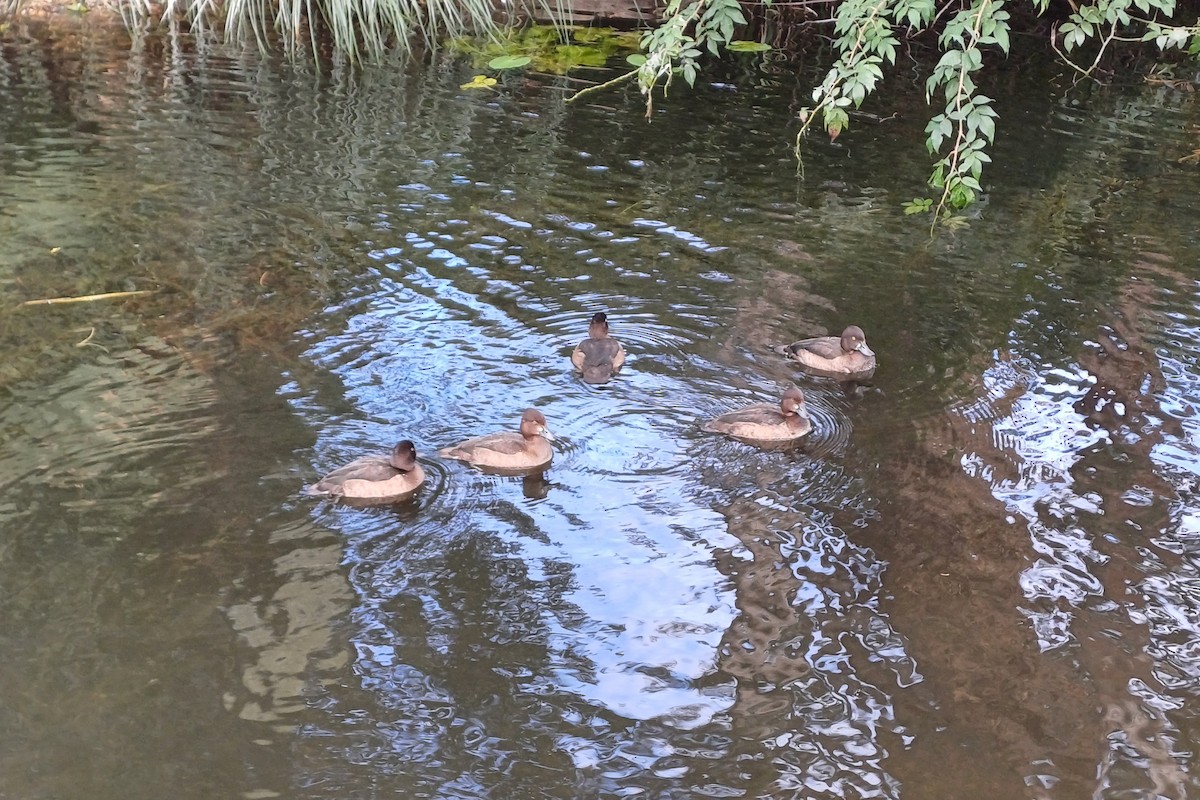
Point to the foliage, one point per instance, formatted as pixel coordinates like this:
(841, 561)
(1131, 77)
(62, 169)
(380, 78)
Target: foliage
(918, 205)
(748, 47)
(545, 48)
(866, 39)
(968, 121)
(359, 29)
(509, 62)
(1108, 20)
(688, 28)
(867, 35)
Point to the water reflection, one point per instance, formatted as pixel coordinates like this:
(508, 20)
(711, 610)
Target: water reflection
(807, 600)
(291, 631)
(1078, 468)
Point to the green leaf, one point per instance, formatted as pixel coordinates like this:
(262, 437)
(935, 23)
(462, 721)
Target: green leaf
(570, 56)
(689, 73)
(509, 62)
(937, 130)
(987, 127)
(741, 46)
(636, 59)
(951, 58)
(1001, 38)
(918, 205)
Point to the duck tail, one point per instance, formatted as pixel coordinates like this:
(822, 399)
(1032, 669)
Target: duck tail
(597, 373)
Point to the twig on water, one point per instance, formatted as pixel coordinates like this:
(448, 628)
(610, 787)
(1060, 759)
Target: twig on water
(86, 298)
(601, 87)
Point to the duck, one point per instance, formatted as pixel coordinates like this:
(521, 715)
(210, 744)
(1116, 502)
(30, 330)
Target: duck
(764, 422)
(512, 451)
(847, 354)
(599, 356)
(375, 478)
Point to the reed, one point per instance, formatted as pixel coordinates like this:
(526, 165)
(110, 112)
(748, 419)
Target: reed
(360, 30)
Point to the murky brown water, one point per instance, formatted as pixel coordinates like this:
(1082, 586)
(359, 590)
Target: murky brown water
(979, 577)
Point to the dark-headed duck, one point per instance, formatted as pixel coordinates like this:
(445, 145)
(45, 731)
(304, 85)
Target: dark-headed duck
(599, 356)
(764, 422)
(843, 355)
(376, 478)
(509, 450)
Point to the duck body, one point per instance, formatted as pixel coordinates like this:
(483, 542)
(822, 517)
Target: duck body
(599, 356)
(375, 478)
(762, 422)
(512, 451)
(847, 354)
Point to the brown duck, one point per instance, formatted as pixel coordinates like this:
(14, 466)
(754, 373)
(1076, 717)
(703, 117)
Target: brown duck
(764, 422)
(377, 478)
(526, 450)
(599, 356)
(846, 354)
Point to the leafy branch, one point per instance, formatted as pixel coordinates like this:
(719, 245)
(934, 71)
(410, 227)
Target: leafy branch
(968, 121)
(676, 45)
(864, 38)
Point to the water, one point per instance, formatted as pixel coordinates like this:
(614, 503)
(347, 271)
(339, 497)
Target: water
(978, 577)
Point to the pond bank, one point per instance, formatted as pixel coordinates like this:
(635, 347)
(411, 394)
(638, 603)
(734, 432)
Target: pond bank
(617, 13)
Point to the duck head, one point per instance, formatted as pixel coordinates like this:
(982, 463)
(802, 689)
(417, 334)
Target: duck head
(853, 339)
(793, 403)
(533, 423)
(404, 456)
(598, 327)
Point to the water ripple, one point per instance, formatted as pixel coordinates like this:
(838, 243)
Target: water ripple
(109, 421)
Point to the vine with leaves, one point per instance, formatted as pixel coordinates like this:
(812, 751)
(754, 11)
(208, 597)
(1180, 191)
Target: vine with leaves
(866, 38)
(674, 47)
(968, 121)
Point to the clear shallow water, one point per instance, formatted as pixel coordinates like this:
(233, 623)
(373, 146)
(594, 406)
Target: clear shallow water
(978, 577)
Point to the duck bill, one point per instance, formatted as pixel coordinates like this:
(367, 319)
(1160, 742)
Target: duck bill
(866, 351)
(547, 434)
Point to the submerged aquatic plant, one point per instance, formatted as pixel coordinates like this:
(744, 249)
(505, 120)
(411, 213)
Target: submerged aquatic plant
(545, 48)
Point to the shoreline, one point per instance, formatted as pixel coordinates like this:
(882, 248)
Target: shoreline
(622, 14)
(44, 10)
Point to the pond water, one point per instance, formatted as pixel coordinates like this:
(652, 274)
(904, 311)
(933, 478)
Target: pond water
(978, 577)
